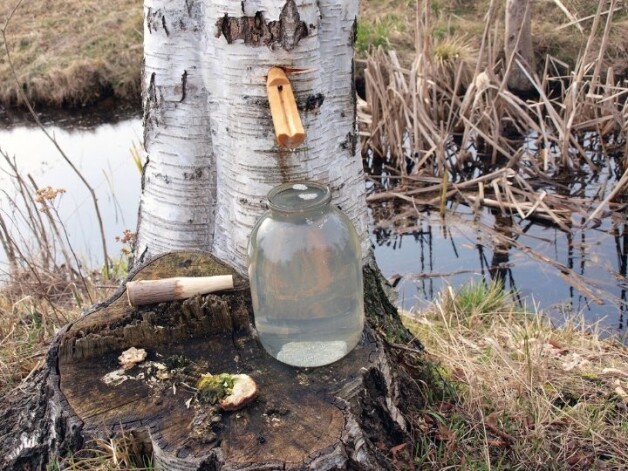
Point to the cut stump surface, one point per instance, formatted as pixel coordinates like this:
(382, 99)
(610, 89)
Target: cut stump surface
(341, 416)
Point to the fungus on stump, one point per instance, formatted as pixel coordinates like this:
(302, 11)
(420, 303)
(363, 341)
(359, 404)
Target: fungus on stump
(348, 415)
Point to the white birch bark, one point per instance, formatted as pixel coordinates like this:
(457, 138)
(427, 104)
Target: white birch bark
(237, 43)
(518, 43)
(179, 181)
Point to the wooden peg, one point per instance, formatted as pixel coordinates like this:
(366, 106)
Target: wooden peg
(283, 109)
(170, 289)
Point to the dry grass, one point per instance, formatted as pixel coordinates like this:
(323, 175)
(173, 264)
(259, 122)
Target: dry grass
(70, 53)
(449, 116)
(27, 325)
(43, 283)
(554, 32)
(520, 393)
(124, 452)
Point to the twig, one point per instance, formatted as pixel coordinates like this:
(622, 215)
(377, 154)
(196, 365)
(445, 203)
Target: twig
(52, 139)
(618, 188)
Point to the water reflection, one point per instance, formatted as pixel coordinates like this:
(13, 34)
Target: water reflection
(562, 272)
(102, 154)
(574, 270)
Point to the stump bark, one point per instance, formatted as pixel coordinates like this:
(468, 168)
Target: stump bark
(348, 415)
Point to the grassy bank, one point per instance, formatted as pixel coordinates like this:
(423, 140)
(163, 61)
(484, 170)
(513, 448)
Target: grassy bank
(559, 28)
(516, 392)
(508, 390)
(73, 53)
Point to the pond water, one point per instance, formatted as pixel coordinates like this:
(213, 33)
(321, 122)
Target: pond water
(102, 154)
(562, 273)
(583, 271)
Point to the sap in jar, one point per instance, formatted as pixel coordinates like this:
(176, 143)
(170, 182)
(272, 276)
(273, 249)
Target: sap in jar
(305, 272)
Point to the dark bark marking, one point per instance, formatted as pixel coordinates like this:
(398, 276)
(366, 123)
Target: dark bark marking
(149, 20)
(184, 82)
(188, 7)
(195, 175)
(293, 29)
(163, 23)
(256, 31)
(143, 179)
(283, 165)
(350, 142)
(151, 106)
(165, 178)
(354, 98)
(354, 32)
(313, 102)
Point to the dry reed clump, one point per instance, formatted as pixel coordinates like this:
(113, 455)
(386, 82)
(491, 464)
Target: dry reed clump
(71, 53)
(44, 284)
(442, 131)
(521, 394)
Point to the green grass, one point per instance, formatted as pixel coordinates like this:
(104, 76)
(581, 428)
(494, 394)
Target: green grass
(379, 32)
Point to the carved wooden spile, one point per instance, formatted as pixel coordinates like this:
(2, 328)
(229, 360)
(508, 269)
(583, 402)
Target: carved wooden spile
(283, 108)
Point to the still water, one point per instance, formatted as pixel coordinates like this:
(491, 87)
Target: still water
(562, 273)
(102, 154)
(580, 272)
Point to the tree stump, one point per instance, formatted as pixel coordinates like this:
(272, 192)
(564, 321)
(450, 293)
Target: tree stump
(348, 415)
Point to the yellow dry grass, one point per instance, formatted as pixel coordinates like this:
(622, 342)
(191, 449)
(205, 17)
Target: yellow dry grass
(71, 53)
(522, 394)
(392, 23)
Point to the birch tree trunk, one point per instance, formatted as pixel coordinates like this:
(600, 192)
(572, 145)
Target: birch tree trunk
(212, 158)
(518, 45)
(208, 129)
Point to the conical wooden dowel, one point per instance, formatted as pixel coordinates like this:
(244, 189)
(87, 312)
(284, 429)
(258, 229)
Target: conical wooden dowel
(169, 289)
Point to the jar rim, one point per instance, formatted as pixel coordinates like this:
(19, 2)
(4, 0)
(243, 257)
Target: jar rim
(321, 199)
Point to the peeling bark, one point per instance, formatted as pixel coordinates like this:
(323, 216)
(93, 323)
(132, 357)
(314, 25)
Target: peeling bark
(256, 31)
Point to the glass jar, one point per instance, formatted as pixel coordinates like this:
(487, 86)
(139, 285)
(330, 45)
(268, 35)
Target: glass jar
(305, 271)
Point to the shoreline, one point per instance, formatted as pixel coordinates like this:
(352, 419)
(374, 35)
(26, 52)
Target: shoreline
(82, 55)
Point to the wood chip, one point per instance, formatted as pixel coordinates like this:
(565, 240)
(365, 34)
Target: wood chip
(132, 357)
(114, 378)
(244, 391)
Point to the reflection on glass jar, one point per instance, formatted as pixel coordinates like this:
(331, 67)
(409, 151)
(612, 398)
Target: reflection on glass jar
(306, 277)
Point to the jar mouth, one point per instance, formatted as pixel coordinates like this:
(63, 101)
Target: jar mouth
(299, 197)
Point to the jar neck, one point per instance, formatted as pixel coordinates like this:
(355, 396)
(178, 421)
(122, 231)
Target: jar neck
(299, 200)
(310, 213)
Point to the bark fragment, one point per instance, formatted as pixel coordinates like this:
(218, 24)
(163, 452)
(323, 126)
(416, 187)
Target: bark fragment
(257, 31)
